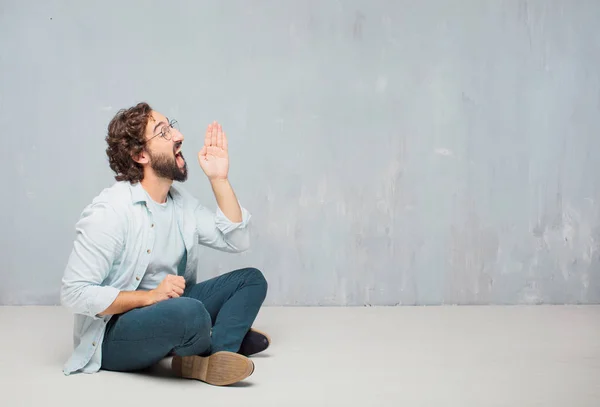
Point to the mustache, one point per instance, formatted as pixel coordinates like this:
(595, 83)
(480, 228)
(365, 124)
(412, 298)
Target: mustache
(176, 146)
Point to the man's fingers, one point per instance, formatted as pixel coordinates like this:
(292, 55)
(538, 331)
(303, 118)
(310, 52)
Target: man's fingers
(178, 290)
(220, 137)
(179, 282)
(215, 129)
(173, 281)
(208, 136)
(202, 153)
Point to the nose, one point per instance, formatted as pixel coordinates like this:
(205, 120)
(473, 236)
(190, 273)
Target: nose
(177, 135)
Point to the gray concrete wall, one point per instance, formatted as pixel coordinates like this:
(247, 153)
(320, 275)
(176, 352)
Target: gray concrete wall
(414, 152)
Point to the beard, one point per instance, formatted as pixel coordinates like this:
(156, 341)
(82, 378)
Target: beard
(165, 166)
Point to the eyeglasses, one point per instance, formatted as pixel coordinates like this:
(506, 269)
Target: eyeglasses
(165, 130)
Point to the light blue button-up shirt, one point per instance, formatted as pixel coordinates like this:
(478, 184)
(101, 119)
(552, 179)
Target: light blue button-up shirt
(112, 249)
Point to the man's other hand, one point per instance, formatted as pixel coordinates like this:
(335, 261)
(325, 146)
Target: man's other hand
(171, 287)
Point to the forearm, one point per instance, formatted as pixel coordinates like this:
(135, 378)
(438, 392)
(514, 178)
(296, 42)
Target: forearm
(128, 300)
(226, 199)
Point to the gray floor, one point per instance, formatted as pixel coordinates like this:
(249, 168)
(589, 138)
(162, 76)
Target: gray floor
(409, 356)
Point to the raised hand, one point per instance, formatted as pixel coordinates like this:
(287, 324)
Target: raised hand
(214, 157)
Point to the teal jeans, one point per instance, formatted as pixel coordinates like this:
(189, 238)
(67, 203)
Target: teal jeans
(209, 317)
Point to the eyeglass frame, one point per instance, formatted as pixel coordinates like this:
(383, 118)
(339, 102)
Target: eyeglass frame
(172, 124)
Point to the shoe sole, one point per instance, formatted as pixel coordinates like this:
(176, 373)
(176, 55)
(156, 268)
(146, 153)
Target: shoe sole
(218, 369)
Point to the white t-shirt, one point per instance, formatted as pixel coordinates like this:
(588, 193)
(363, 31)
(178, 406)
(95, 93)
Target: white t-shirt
(168, 245)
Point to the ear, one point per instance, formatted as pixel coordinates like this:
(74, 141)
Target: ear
(141, 158)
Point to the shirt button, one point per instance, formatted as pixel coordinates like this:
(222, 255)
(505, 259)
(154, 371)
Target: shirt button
(93, 343)
(148, 250)
(137, 278)
(152, 225)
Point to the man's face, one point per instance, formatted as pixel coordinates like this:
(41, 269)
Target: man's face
(164, 149)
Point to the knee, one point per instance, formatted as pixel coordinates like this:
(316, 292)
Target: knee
(257, 278)
(189, 317)
(196, 315)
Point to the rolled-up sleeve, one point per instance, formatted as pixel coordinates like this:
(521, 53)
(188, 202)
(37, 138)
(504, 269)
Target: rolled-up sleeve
(217, 231)
(98, 241)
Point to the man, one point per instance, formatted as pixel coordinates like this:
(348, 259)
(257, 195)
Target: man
(131, 276)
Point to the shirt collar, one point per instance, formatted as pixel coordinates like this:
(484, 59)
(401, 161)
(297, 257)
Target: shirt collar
(138, 194)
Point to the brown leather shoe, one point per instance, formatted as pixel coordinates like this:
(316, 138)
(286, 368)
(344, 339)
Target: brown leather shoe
(219, 369)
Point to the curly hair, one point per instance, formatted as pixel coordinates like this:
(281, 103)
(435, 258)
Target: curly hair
(126, 139)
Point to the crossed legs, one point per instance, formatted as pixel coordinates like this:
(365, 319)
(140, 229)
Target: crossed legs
(212, 317)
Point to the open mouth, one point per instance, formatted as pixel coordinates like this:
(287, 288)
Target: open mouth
(178, 155)
(177, 147)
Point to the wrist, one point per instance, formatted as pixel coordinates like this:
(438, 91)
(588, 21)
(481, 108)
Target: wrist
(148, 298)
(219, 181)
